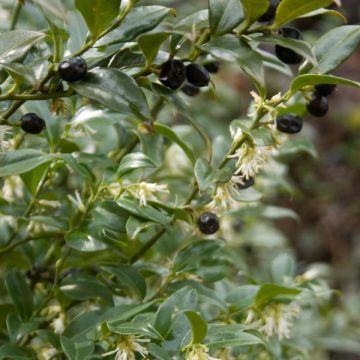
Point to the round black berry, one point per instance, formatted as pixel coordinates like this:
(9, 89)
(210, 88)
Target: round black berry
(190, 90)
(208, 223)
(73, 69)
(32, 124)
(197, 75)
(318, 106)
(172, 74)
(289, 123)
(270, 12)
(212, 66)
(246, 183)
(324, 89)
(284, 54)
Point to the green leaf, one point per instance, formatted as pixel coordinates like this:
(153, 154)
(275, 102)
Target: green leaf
(19, 292)
(140, 20)
(15, 44)
(15, 162)
(98, 14)
(171, 135)
(76, 350)
(150, 45)
(300, 47)
(81, 286)
(335, 46)
(142, 212)
(189, 258)
(13, 352)
(229, 48)
(84, 241)
(291, 9)
(134, 328)
(269, 292)
(116, 90)
(82, 326)
(157, 352)
(283, 267)
(130, 277)
(311, 80)
(32, 178)
(220, 336)
(253, 9)
(54, 11)
(134, 161)
(198, 327)
(125, 312)
(242, 296)
(224, 15)
(206, 176)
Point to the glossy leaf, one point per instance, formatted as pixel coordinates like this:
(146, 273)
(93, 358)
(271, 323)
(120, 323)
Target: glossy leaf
(115, 90)
(130, 277)
(150, 45)
(269, 292)
(310, 80)
(98, 14)
(19, 292)
(198, 327)
(224, 15)
(253, 9)
(291, 9)
(345, 39)
(134, 161)
(76, 351)
(232, 49)
(21, 161)
(171, 135)
(140, 20)
(15, 44)
(299, 46)
(206, 176)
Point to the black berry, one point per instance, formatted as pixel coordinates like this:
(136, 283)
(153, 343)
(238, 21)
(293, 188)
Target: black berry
(208, 223)
(190, 90)
(197, 75)
(172, 74)
(73, 70)
(284, 54)
(289, 123)
(324, 89)
(318, 106)
(270, 12)
(212, 66)
(32, 124)
(246, 183)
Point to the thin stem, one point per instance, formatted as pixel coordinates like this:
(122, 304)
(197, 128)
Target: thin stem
(138, 255)
(30, 96)
(15, 244)
(16, 13)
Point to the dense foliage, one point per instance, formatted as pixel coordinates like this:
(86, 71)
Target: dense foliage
(133, 223)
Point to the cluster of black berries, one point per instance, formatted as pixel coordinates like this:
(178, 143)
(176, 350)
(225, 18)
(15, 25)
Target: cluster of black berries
(319, 105)
(71, 70)
(191, 77)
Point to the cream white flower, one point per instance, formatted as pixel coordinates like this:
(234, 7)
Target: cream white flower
(127, 347)
(222, 198)
(250, 159)
(46, 353)
(278, 319)
(77, 201)
(4, 144)
(198, 352)
(58, 324)
(12, 188)
(146, 191)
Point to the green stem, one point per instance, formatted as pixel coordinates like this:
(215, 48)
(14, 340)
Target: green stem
(15, 16)
(29, 96)
(15, 244)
